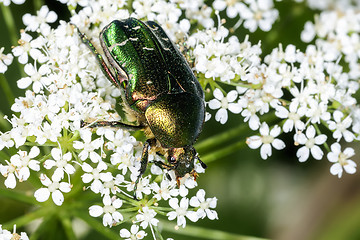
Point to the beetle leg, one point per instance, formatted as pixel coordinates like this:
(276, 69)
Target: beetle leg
(114, 124)
(144, 160)
(98, 56)
(163, 165)
(203, 165)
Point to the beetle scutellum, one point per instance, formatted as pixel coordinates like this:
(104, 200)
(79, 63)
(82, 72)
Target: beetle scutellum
(159, 88)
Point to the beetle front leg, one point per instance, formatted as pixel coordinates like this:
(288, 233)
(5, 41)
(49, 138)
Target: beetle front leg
(144, 161)
(114, 124)
(98, 56)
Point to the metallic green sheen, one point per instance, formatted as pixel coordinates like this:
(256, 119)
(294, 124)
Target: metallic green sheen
(157, 79)
(174, 119)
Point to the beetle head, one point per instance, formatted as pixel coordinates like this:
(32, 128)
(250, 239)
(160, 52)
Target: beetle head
(183, 160)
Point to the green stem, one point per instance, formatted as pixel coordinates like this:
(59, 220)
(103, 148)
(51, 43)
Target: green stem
(4, 156)
(27, 218)
(10, 23)
(4, 124)
(229, 134)
(223, 152)
(220, 138)
(205, 233)
(67, 224)
(4, 85)
(96, 225)
(17, 196)
(38, 4)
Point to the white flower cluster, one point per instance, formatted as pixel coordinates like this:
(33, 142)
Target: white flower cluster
(64, 86)
(311, 92)
(7, 235)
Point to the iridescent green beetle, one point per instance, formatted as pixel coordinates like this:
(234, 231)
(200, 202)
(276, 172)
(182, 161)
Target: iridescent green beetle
(160, 90)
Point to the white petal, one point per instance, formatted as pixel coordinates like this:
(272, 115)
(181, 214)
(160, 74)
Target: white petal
(49, 164)
(42, 194)
(214, 104)
(336, 169)
(231, 96)
(57, 197)
(221, 116)
(234, 108)
(124, 233)
(10, 181)
(95, 211)
(310, 132)
(171, 215)
(350, 167)
(349, 152)
(107, 219)
(87, 177)
(275, 131)
(34, 151)
(218, 94)
(194, 201)
(264, 129)
(65, 187)
(278, 144)
(338, 116)
(303, 154)
(192, 216)
(117, 216)
(320, 139)
(174, 203)
(56, 153)
(184, 203)
(316, 152)
(24, 82)
(254, 142)
(265, 151)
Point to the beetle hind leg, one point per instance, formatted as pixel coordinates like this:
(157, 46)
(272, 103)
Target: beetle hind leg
(144, 161)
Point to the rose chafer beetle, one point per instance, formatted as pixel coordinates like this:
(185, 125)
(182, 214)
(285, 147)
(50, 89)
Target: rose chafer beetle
(159, 90)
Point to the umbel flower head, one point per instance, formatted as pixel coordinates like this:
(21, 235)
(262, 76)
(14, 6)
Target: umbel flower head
(308, 94)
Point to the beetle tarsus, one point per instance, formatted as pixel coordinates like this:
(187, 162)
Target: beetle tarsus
(203, 165)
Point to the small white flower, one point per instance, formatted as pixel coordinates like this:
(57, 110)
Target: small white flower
(308, 34)
(36, 77)
(146, 217)
(61, 161)
(310, 142)
(232, 7)
(266, 140)
(40, 21)
(204, 205)
(111, 216)
(54, 188)
(19, 166)
(133, 234)
(258, 13)
(341, 160)
(96, 176)
(88, 146)
(292, 116)
(340, 126)
(223, 104)
(181, 211)
(166, 189)
(142, 187)
(5, 60)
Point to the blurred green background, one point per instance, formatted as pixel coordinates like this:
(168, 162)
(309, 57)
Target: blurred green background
(278, 198)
